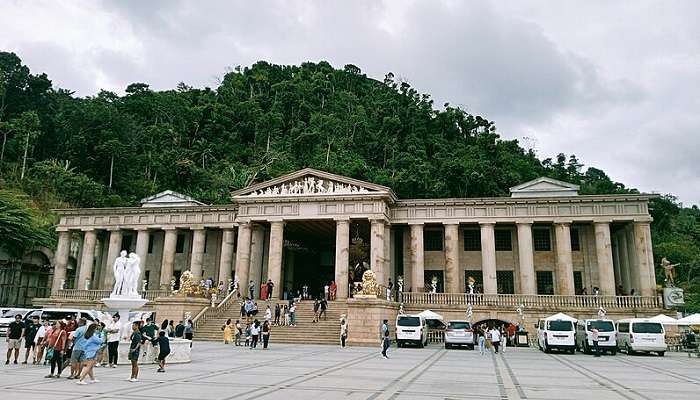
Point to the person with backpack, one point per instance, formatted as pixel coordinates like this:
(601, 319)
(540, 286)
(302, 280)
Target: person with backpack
(386, 341)
(239, 333)
(163, 344)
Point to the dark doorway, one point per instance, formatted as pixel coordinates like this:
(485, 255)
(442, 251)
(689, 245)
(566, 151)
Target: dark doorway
(309, 256)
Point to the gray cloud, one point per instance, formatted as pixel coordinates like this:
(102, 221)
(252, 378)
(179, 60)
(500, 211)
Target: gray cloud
(611, 82)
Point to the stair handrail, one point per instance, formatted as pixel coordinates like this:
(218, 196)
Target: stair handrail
(199, 316)
(226, 300)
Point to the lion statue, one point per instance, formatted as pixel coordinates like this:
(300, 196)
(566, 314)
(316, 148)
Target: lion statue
(369, 282)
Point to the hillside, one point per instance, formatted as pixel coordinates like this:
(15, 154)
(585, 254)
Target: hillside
(260, 122)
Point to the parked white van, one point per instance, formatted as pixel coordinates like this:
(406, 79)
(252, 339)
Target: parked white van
(641, 334)
(607, 335)
(57, 314)
(411, 329)
(556, 333)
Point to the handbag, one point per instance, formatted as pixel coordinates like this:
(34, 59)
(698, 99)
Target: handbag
(49, 353)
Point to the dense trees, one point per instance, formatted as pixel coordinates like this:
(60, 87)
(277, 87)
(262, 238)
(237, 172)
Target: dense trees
(263, 121)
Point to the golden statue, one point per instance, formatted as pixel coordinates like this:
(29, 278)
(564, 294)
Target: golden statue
(369, 283)
(188, 288)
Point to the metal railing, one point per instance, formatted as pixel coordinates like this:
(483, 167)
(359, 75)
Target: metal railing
(94, 295)
(515, 300)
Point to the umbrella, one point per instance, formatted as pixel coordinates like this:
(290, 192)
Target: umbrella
(693, 319)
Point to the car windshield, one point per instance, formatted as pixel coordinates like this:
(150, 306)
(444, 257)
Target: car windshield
(11, 313)
(459, 325)
(58, 315)
(559, 325)
(409, 321)
(603, 326)
(647, 327)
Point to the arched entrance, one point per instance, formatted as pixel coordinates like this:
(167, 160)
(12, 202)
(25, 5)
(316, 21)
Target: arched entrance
(492, 322)
(25, 279)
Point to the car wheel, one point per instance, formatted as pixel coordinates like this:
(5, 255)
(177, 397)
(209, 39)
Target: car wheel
(628, 350)
(447, 346)
(586, 349)
(420, 344)
(661, 353)
(471, 347)
(572, 351)
(613, 352)
(546, 348)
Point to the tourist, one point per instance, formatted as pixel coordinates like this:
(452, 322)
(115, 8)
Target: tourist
(481, 337)
(244, 313)
(164, 350)
(504, 338)
(228, 331)
(594, 338)
(254, 333)
(221, 288)
(324, 308)
(165, 327)
(189, 331)
(268, 314)
(266, 334)
(77, 345)
(149, 334)
(101, 352)
(292, 315)
(15, 332)
(40, 340)
(305, 292)
(239, 332)
(317, 306)
(270, 286)
(251, 290)
(333, 290)
(286, 315)
(263, 290)
(180, 330)
(135, 350)
(56, 342)
(90, 342)
(495, 338)
(343, 332)
(326, 291)
(278, 311)
(71, 324)
(511, 334)
(171, 328)
(247, 335)
(30, 333)
(386, 342)
(113, 335)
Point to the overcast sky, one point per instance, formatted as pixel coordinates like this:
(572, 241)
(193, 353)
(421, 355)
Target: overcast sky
(615, 82)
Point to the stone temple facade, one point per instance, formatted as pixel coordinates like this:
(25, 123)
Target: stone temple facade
(310, 227)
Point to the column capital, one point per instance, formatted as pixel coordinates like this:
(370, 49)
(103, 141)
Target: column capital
(528, 222)
(414, 223)
(140, 228)
(451, 223)
(60, 229)
(487, 223)
(562, 222)
(87, 230)
(602, 221)
(169, 228)
(113, 229)
(342, 219)
(644, 221)
(197, 228)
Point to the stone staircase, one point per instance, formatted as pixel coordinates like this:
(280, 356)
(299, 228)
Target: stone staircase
(305, 332)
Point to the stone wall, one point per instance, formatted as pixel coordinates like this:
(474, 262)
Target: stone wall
(365, 318)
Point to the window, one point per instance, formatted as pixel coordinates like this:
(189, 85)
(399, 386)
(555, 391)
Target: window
(578, 281)
(459, 325)
(180, 245)
(560, 326)
(503, 240)
(428, 278)
(623, 327)
(541, 239)
(545, 282)
(150, 243)
(476, 274)
(602, 325)
(575, 241)
(148, 278)
(432, 240)
(408, 321)
(504, 280)
(472, 240)
(647, 327)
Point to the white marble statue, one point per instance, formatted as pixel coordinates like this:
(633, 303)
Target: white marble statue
(133, 272)
(119, 269)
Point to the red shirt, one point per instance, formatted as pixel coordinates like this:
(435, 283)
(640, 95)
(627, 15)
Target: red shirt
(57, 339)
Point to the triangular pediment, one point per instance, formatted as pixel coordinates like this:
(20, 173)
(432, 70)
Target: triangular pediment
(311, 182)
(544, 187)
(170, 198)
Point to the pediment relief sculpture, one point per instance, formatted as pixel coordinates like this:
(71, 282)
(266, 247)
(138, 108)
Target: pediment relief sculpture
(309, 185)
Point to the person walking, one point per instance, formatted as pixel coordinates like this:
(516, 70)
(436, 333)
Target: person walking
(263, 291)
(251, 290)
(40, 340)
(56, 343)
(386, 342)
(343, 332)
(266, 328)
(189, 331)
(326, 291)
(30, 333)
(228, 331)
(247, 335)
(270, 286)
(90, 342)
(481, 335)
(239, 332)
(164, 350)
(293, 315)
(324, 308)
(286, 315)
(77, 341)
(135, 350)
(333, 290)
(268, 314)
(278, 311)
(15, 332)
(113, 334)
(254, 334)
(594, 337)
(495, 338)
(317, 306)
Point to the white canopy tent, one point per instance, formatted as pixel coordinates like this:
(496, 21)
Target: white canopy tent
(427, 314)
(664, 319)
(561, 317)
(693, 319)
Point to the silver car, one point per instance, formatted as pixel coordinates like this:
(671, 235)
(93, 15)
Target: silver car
(459, 333)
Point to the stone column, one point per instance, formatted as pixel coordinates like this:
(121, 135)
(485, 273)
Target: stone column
(645, 258)
(142, 239)
(528, 281)
(115, 247)
(633, 262)
(342, 257)
(388, 255)
(417, 258)
(624, 260)
(226, 260)
(197, 256)
(61, 260)
(274, 268)
(377, 250)
(167, 266)
(257, 251)
(87, 259)
(565, 268)
(603, 250)
(616, 260)
(488, 257)
(452, 268)
(243, 258)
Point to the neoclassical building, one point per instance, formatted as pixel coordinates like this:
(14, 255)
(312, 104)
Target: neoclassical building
(304, 228)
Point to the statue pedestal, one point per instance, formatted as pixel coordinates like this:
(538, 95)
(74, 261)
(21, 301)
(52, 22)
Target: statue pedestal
(123, 305)
(364, 296)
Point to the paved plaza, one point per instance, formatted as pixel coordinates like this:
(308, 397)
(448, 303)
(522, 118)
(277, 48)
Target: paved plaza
(314, 372)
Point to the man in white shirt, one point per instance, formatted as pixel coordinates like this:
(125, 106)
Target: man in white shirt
(113, 336)
(495, 338)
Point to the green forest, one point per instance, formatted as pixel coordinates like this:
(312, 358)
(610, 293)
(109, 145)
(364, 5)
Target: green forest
(61, 150)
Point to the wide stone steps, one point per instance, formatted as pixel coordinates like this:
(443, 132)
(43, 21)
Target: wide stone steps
(326, 331)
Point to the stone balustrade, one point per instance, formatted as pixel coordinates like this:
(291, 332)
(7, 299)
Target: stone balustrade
(534, 301)
(95, 295)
